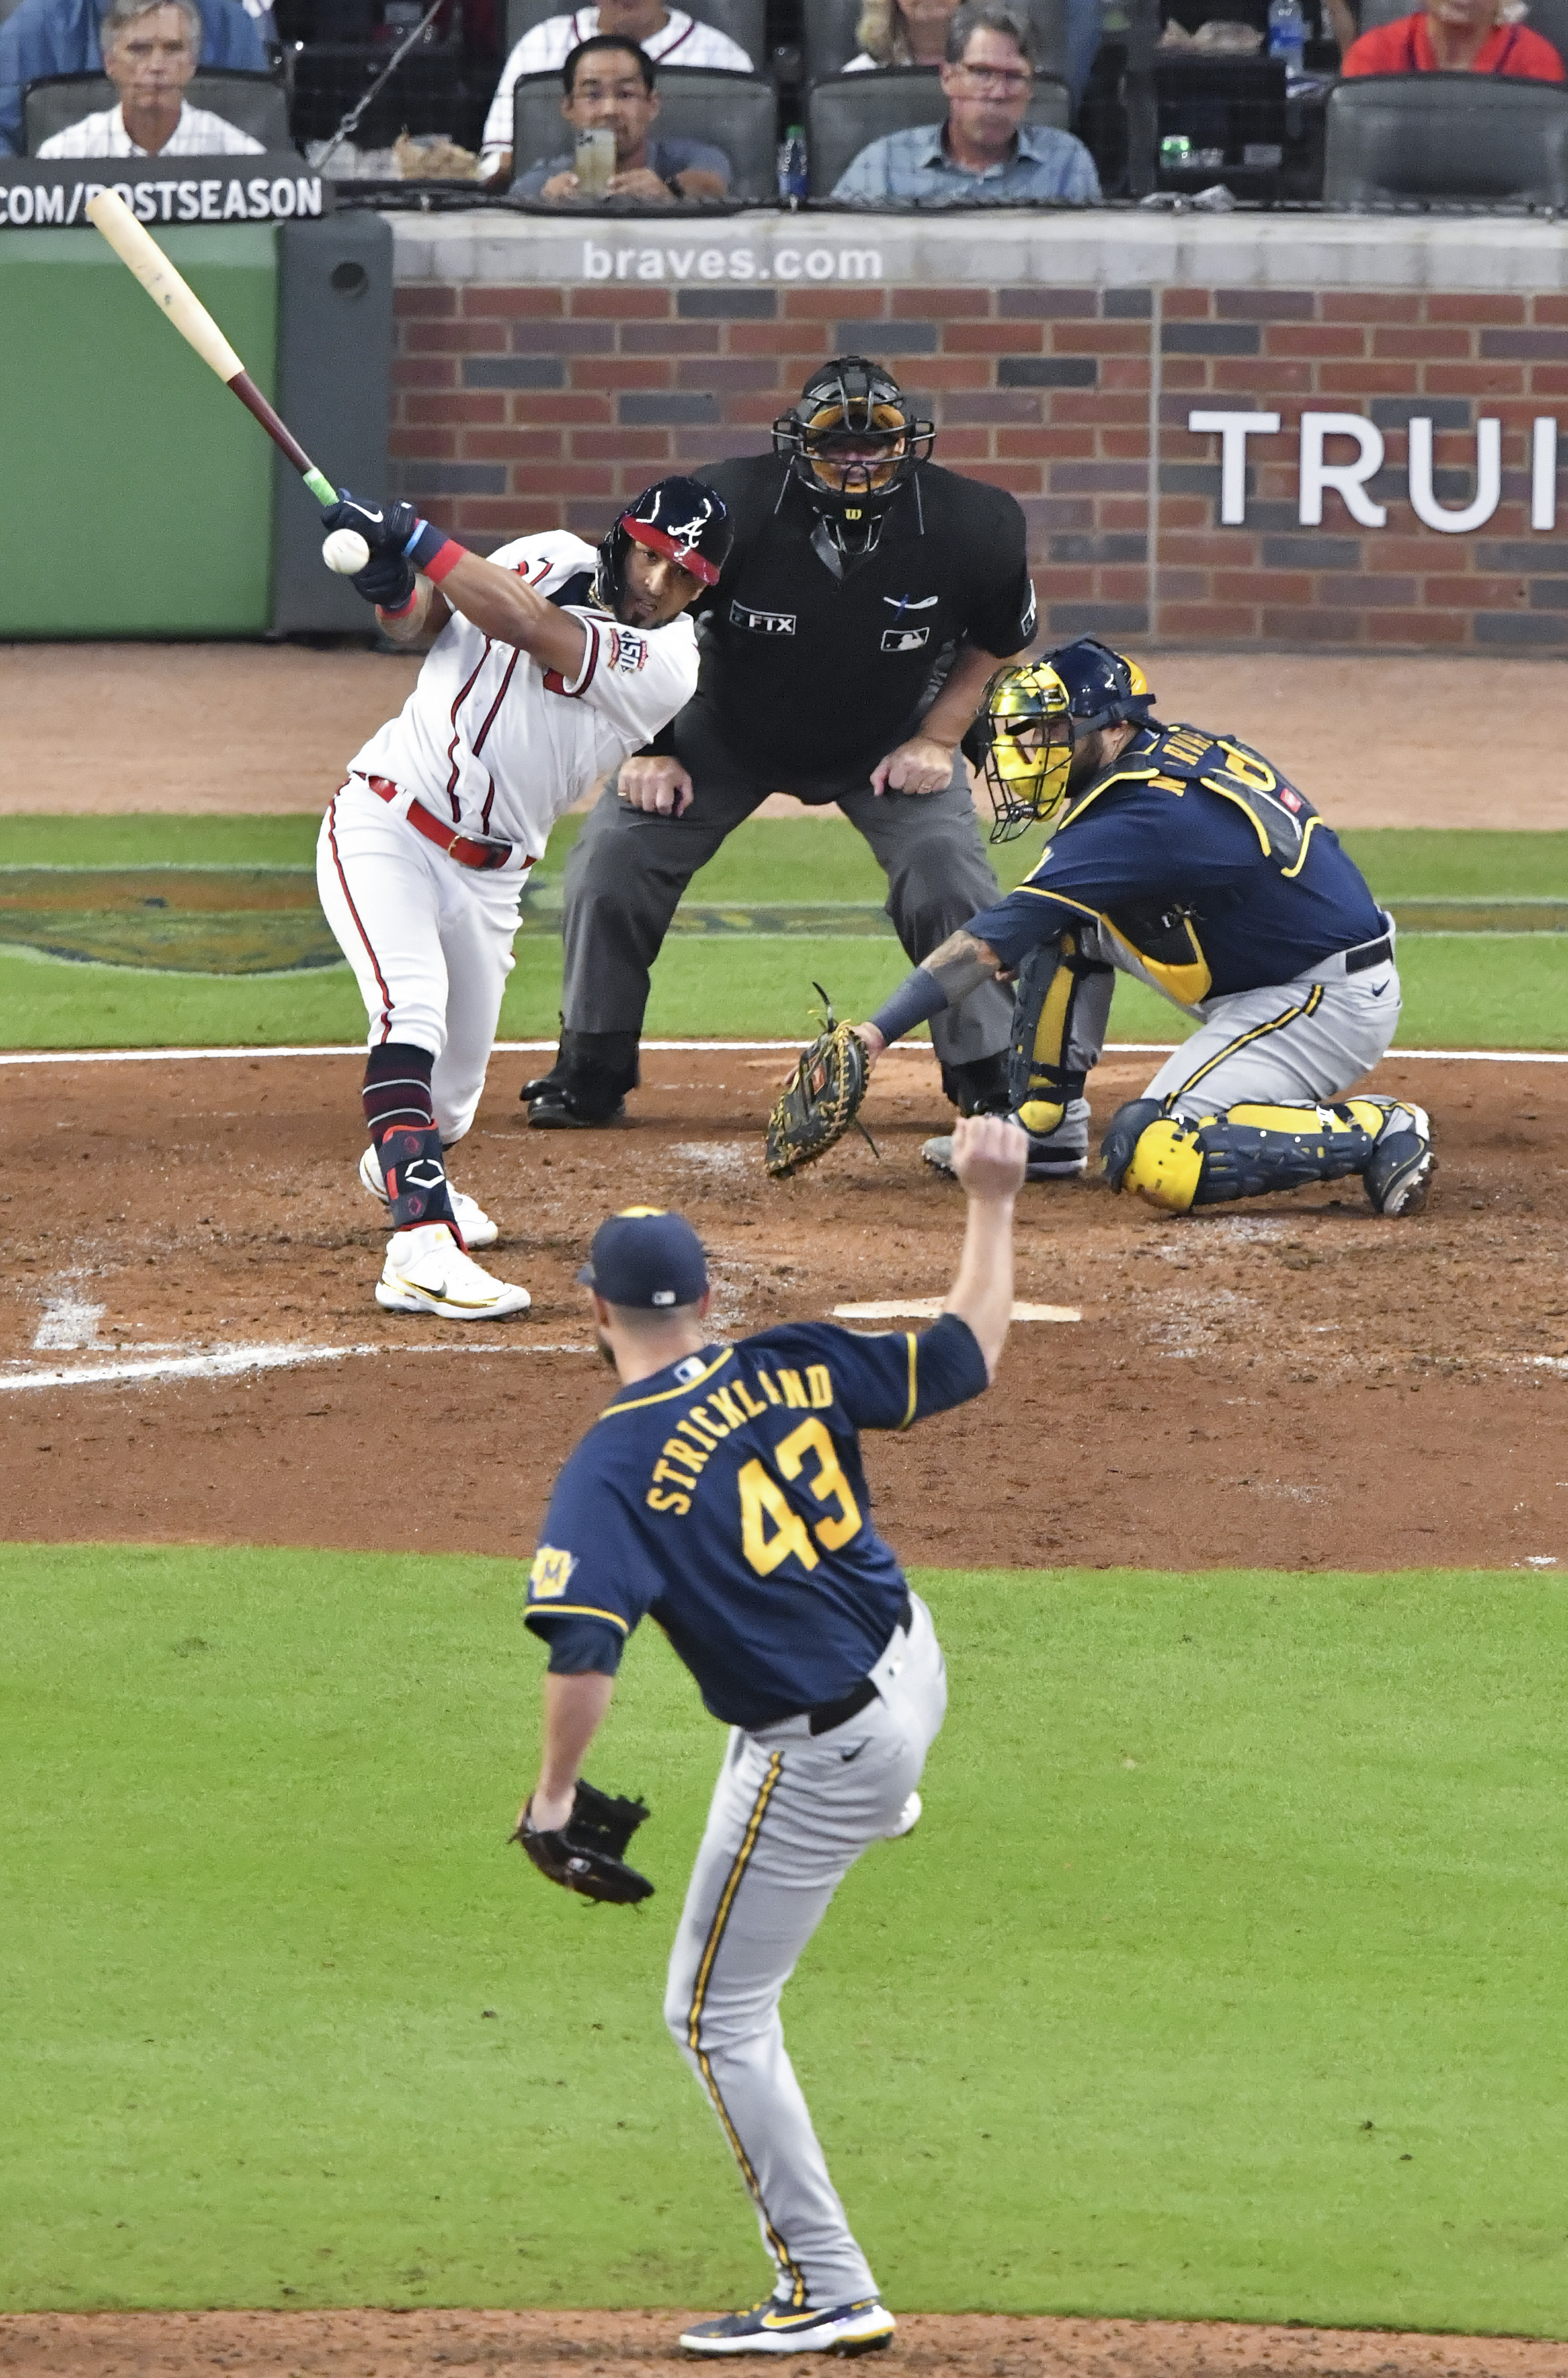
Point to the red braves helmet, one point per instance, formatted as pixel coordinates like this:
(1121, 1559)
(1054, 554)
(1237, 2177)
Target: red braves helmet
(679, 518)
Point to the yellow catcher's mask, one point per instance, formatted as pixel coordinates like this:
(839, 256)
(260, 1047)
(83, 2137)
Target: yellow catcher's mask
(1028, 733)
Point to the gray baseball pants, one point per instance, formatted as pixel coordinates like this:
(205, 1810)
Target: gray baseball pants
(1290, 1044)
(628, 870)
(791, 1813)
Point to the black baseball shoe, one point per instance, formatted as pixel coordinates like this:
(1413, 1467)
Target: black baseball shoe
(1399, 1169)
(775, 2326)
(555, 1108)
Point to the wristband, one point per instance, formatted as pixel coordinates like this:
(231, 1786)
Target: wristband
(918, 997)
(401, 610)
(431, 552)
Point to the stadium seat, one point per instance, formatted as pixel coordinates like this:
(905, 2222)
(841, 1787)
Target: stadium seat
(737, 112)
(1546, 17)
(254, 103)
(744, 20)
(1397, 139)
(848, 112)
(830, 39)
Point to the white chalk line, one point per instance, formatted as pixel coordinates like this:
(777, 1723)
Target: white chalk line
(228, 1361)
(927, 1308)
(682, 1047)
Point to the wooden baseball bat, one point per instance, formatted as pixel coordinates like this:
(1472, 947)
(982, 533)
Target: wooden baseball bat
(141, 253)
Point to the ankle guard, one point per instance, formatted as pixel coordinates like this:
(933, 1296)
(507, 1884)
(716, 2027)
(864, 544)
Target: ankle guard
(415, 1177)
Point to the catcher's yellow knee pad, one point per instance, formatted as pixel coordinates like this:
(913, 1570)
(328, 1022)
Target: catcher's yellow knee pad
(1039, 1116)
(1178, 1163)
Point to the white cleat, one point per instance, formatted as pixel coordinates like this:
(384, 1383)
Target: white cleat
(908, 1818)
(478, 1229)
(427, 1271)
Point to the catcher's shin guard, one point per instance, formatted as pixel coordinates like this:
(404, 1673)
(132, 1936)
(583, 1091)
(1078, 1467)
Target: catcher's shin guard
(1060, 1009)
(1179, 1163)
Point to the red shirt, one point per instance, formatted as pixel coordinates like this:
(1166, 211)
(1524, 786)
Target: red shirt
(1405, 47)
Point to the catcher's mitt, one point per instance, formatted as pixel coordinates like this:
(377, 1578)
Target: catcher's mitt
(588, 1852)
(820, 1099)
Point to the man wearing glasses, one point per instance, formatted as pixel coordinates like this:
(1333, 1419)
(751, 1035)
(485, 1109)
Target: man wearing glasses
(984, 151)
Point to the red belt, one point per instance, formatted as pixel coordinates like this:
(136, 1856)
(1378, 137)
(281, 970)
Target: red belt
(466, 849)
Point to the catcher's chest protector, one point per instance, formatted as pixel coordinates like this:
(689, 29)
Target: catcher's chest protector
(1282, 818)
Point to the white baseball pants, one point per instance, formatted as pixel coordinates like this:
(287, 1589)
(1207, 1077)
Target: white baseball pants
(430, 942)
(791, 1813)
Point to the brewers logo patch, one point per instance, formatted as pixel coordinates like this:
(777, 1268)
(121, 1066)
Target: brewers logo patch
(763, 623)
(905, 640)
(548, 1577)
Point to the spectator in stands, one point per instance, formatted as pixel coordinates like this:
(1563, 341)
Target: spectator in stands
(984, 149)
(1456, 37)
(666, 35)
(150, 48)
(609, 87)
(914, 33)
(53, 37)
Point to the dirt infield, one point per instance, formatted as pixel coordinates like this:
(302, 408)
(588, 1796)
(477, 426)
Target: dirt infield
(265, 728)
(1213, 1406)
(638, 2345)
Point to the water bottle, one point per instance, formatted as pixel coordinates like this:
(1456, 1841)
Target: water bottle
(792, 163)
(1287, 34)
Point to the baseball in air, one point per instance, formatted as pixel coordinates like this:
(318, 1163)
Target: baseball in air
(345, 551)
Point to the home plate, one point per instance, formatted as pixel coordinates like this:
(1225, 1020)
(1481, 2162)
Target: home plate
(926, 1308)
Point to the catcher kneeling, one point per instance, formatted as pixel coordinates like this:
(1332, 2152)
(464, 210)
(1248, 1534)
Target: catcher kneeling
(1185, 859)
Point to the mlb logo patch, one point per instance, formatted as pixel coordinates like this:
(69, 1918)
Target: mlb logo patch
(905, 640)
(1292, 801)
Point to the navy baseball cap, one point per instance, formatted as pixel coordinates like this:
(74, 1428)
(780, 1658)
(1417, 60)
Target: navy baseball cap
(644, 1257)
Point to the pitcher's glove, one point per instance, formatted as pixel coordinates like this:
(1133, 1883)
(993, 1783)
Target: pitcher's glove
(588, 1852)
(820, 1099)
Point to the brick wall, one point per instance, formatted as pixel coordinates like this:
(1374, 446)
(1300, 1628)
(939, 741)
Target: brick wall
(518, 407)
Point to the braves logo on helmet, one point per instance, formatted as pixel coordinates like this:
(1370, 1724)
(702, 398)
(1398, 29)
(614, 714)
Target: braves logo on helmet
(678, 518)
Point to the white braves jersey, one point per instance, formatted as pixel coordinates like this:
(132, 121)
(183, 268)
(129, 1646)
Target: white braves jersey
(502, 747)
(680, 41)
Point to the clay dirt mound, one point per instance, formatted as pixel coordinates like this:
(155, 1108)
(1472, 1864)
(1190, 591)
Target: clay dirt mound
(642, 2345)
(1289, 1383)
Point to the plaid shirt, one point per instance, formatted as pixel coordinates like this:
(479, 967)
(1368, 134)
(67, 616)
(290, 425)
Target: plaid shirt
(1046, 163)
(198, 133)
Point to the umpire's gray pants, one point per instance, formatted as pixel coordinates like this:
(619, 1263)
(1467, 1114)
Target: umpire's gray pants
(791, 1813)
(628, 870)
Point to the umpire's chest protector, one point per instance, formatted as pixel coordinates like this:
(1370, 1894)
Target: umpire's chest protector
(821, 666)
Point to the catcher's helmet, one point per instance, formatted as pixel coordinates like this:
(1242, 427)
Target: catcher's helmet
(852, 440)
(679, 518)
(1032, 720)
(1103, 686)
(1026, 739)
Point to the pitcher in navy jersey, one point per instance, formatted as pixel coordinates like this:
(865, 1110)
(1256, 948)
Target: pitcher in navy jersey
(722, 1493)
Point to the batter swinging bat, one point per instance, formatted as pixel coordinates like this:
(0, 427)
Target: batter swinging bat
(138, 250)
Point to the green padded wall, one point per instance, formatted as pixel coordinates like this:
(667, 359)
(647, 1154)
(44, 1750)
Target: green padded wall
(137, 494)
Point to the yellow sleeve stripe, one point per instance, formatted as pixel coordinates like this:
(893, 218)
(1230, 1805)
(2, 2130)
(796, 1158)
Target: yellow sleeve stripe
(1043, 892)
(913, 1382)
(575, 1610)
(688, 1388)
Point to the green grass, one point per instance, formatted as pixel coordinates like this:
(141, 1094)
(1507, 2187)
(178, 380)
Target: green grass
(1464, 990)
(778, 859)
(1223, 1978)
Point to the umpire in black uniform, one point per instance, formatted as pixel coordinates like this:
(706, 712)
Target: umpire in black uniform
(868, 597)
